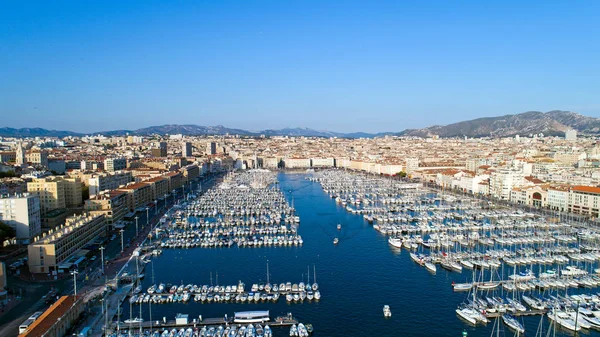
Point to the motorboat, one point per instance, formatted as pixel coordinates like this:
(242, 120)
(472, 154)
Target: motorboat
(395, 242)
(386, 311)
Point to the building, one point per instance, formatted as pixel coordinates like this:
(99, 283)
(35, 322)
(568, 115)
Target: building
(159, 186)
(115, 164)
(571, 134)
(108, 181)
(138, 195)
(323, 162)
(58, 319)
(584, 200)
(502, 182)
(211, 148)
(411, 164)
(190, 172)
(112, 204)
(89, 165)
(3, 291)
(48, 252)
(56, 192)
(37, 157)
(22, 212)
(186, 149)
(558, 198)
(175, 180)
(163, 149)
(293, 163)
(20, 155)
(54, 218)
(8, 157)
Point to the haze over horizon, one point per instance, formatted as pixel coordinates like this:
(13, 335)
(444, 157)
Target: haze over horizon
(338, 66)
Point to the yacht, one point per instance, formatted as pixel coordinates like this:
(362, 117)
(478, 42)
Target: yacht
(467, 315)
(564, 320)
(339, 227)
(336, 241)
(386, 311)
(395, 242)
(430, 267)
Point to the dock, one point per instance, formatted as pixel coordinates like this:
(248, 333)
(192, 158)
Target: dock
(516, 313)
(286, 321)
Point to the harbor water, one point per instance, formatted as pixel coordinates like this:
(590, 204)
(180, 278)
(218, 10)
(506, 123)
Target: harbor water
(356, 277)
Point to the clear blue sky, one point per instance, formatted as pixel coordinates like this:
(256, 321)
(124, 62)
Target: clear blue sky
(337, 65)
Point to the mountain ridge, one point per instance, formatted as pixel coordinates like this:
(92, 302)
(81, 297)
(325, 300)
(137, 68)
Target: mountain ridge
(554, 122)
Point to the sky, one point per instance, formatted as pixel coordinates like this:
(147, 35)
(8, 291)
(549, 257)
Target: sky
(343, 66)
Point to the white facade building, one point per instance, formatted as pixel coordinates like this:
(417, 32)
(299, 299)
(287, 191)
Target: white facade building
(108, 181)
(22, 212)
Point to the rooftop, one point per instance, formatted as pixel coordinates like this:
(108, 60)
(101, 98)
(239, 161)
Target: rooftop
(49, 317)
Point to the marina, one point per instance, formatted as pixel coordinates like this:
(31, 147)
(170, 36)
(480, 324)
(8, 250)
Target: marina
(459, 233)
(488, 262)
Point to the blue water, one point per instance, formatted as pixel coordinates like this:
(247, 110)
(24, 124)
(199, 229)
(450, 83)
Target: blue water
(356, 277)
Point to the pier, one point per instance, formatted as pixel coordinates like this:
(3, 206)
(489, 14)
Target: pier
(285, 321)
(517, 313)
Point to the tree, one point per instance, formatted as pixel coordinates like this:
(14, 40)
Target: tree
(6, 232)
(9, 174)
(402, 174)
(85, 192)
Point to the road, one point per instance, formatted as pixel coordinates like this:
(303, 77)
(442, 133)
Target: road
(90, 279)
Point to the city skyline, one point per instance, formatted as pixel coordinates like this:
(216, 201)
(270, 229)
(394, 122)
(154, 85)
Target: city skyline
(324, 66)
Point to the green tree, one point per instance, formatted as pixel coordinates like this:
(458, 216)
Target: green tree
(402, 174)
(9, 174)
(85, 192)
(6, 232)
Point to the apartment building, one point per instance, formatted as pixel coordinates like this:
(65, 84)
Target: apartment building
(190, 172)
(323, 162)
(584, 200)
(296, 163)
(22, 212)
(558, 198)
(56, 192)
(8, 157)
(37, 157)
(186, 149)
(3, 291)
(108, 181)
(211, 148)
(112, 204)
(175, 180)
(502, 182)
(57, 320)
(48, 252)
(138, 195)
(159, 186)
(115, 164)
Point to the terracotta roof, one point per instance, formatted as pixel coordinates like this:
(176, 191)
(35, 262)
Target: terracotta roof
(534, 180)
(134, 186)
(41, 325)
(588, 189)
(155, 179)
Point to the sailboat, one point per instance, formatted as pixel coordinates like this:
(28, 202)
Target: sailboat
(513, 323)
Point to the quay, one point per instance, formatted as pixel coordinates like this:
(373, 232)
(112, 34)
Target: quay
(286, 321)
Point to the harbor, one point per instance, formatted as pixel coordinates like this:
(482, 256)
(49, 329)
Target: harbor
(501, 247)
(479, 258)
